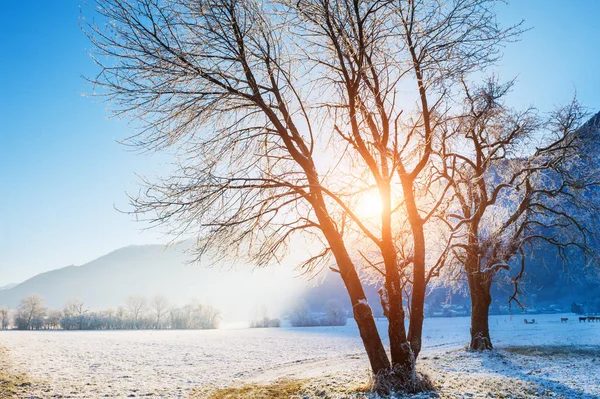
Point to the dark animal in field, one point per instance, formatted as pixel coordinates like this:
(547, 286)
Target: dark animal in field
(582, 319)
(564, 319)
(529, 322)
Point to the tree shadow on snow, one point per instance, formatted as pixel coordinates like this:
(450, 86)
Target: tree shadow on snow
(543, 365)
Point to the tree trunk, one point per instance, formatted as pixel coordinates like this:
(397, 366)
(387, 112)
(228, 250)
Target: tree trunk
(417, 311)
(479, 288)
(403, 359)
(363, 314)
(480, 306)
(365, 321)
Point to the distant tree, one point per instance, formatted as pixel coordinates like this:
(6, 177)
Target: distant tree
(335, 314)
(194, 315)
(203, 316)
(160, 306)
(109, 317)
(4, 318)
(53, 319)
(175, 318)
(260, 319)
(137, 306)
(576, 308)
(74, 315)
(301, 316)
(120, 318)
(30, 313)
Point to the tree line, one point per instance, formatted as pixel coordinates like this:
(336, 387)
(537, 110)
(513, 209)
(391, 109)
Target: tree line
(286, 114)
(138, 313)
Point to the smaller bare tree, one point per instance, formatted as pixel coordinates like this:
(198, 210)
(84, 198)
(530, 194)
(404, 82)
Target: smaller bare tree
(137, 307)
(335, 314)
(511, 203)
(30, 313)
(53, 318)
(76, 310)
(4, 318)
(160, 306)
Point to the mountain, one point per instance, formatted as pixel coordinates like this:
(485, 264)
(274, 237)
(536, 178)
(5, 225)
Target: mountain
(7, 286)
(155, 270)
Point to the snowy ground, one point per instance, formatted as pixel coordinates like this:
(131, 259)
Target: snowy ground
(546, 359)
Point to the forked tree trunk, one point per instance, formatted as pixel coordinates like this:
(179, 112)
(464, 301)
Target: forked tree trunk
(361, 310)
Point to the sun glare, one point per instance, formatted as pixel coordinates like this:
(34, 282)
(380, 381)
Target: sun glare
(369, 205)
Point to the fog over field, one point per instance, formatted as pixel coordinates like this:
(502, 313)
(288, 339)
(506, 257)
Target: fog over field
(151, 270)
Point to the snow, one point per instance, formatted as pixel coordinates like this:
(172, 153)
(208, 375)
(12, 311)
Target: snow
(170, 364)
(363, 302)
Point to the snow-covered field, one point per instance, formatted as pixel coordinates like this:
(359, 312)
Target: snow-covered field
(561, 359)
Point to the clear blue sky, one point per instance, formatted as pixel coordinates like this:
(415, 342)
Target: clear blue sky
(62, 171)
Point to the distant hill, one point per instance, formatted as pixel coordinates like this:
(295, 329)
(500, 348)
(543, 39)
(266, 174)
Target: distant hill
(7, 286)
(155, 270)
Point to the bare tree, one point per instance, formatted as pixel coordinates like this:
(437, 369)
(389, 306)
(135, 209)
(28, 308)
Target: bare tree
(335, 314)
(137, 307)
(30, 313)
(286, 113)
(4, 318)
(74, 315)
(160, 306)
(53, 319)
(520, 186)
(120, 315)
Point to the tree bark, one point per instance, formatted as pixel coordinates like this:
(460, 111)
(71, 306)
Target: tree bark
(417, 310)
(415, 328)
(403, 359)
(365, 321)
(363, 314)
(479, 287)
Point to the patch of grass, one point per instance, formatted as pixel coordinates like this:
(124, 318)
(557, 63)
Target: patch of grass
(385, 383)
(553, 351)
(280, 389)
(12, 385)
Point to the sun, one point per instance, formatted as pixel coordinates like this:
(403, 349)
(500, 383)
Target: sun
(369, 205)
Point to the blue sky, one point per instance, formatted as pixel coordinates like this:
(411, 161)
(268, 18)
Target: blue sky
(62, 171)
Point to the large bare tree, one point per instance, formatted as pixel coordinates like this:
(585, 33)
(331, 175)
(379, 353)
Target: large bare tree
(285, 114)
(521, 186)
